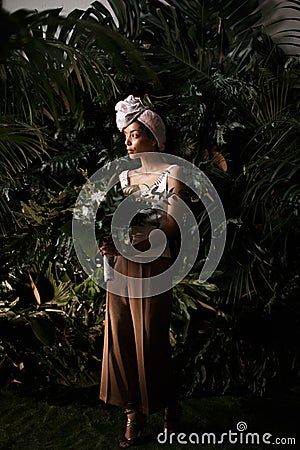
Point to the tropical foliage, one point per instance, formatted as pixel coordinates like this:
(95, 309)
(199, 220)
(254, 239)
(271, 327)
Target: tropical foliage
(221, 84)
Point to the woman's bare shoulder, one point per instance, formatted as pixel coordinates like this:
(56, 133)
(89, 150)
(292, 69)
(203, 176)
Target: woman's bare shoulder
(175, 170)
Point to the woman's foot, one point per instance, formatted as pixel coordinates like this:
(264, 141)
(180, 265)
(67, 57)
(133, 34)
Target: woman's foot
(135, 423)
(172, 417)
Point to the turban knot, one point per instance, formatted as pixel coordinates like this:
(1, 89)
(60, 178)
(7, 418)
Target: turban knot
(132, 109)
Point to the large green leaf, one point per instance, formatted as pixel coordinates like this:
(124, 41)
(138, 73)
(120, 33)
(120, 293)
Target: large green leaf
(43, 328)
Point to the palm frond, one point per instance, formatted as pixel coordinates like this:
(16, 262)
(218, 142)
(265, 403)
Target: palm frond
(20, 144)
(281, 21)
(50, 71)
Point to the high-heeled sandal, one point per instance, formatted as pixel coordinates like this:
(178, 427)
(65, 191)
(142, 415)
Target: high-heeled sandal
(172, 417)
(136, 421)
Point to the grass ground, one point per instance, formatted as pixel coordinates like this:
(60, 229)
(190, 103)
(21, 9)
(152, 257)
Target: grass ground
(68, 418)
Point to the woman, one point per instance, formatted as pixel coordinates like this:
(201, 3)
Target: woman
(136, 368)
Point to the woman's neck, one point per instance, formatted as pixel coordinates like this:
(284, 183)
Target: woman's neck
(151, 162)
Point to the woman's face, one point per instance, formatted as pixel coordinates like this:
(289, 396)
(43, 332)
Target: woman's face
(137, 140)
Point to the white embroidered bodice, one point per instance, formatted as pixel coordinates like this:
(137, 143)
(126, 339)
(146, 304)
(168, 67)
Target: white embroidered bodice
(160, 184)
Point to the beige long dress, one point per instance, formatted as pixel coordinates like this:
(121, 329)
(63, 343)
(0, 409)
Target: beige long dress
(136, 365)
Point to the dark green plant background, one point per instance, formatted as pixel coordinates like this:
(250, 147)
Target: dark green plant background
(219, 81)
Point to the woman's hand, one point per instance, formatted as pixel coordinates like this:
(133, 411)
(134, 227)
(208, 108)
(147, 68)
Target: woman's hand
(108, 248)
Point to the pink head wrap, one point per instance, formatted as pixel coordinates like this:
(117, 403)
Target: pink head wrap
(132, 109)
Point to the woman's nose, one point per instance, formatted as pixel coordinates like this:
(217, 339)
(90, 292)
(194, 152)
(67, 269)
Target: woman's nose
(127, 140)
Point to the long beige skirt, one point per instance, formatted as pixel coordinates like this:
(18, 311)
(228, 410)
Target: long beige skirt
(136, 365)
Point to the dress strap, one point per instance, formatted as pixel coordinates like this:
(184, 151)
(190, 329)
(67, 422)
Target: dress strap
(123, 177)
(168, 168)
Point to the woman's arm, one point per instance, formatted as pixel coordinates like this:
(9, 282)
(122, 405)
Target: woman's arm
(177, 189)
